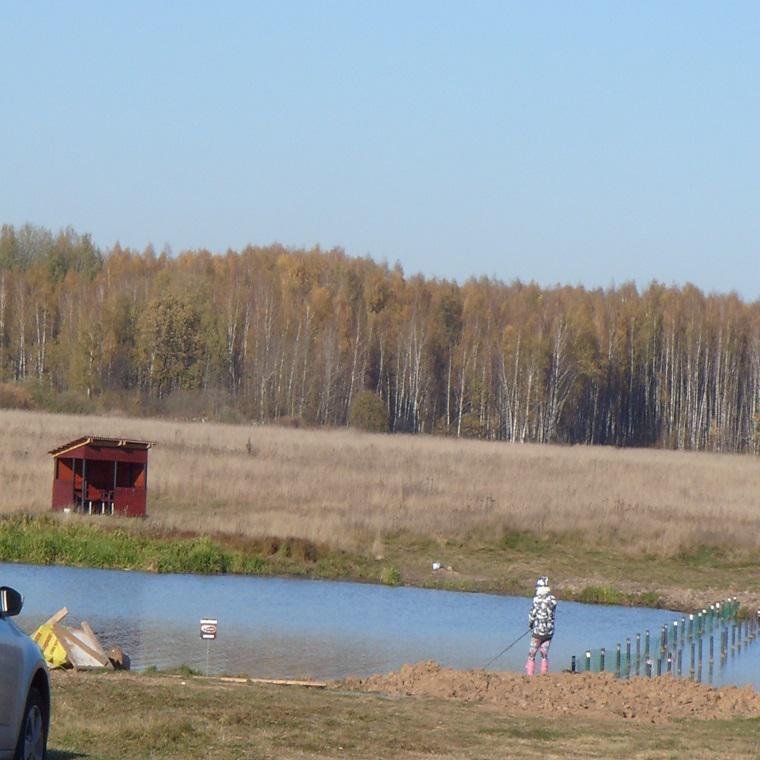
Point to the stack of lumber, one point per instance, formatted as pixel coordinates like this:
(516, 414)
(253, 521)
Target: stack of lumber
(63, 647)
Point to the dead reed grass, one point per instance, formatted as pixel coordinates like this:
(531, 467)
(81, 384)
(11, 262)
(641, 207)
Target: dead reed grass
(352, 490)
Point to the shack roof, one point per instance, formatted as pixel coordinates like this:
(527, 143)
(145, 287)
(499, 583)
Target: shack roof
(92, 440)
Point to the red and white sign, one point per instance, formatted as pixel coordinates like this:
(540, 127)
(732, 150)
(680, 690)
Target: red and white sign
(209, 628)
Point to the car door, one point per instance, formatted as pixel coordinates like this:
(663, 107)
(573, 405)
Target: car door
(10, 673)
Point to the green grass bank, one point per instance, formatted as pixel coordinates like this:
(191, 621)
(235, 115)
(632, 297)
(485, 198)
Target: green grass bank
(509, 565)
(80, 542)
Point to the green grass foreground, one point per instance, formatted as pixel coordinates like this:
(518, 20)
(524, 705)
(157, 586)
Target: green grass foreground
(592, 574)
(157, 717)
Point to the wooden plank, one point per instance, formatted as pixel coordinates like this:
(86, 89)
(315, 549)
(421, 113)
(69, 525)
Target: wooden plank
(94, 641)
(265, 681)
(71, 642)
(76, 641)
(60, 634)
(57, 617)
(288, 682)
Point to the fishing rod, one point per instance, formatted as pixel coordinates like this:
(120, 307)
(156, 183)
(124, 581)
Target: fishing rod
(506, 649)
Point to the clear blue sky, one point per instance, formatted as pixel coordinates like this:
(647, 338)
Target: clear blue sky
(582, 142)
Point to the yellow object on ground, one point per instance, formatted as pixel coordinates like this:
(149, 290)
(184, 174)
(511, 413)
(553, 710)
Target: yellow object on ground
(76, 647)
(51, 647)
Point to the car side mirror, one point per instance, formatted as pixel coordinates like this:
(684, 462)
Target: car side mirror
(11, 601)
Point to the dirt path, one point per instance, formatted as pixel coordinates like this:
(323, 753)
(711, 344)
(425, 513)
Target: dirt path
(600, 695)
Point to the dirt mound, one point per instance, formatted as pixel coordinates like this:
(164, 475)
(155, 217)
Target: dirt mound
(603, 695)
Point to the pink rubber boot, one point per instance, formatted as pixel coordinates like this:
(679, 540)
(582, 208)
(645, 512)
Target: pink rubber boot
(530, 667)
(544, 666)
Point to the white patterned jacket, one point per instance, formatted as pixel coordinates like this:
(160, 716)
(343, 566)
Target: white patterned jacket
(541, 615)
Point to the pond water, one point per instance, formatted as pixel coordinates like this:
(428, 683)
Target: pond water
(287, 628)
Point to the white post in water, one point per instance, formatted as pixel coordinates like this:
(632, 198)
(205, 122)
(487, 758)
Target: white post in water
(209, 627)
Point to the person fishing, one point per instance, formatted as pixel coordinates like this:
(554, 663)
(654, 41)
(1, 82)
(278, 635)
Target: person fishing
(541, 622)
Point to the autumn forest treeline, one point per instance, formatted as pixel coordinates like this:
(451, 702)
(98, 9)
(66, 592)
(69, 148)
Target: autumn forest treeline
(270, 333)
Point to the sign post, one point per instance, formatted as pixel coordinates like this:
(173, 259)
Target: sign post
(209, 627)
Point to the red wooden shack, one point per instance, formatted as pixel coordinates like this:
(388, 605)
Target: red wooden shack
(101, 476)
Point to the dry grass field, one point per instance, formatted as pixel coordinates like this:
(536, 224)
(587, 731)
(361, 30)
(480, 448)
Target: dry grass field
(350, 490)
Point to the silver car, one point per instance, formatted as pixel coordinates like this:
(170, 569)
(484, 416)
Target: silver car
(24, 687)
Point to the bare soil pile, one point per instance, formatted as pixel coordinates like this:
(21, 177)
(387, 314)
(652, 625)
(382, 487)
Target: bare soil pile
(600, 694)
